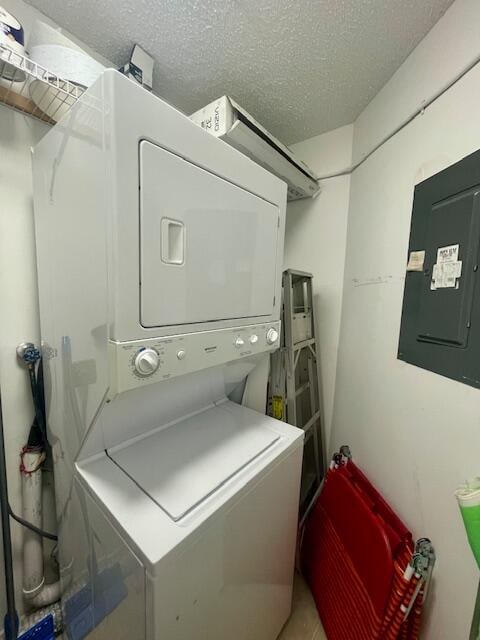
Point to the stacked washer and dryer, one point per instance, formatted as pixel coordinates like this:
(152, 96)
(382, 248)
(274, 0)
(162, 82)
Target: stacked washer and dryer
(160, 255)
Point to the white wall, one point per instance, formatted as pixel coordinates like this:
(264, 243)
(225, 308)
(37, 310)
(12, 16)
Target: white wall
(18, 300)
(415, 433)
(19, 320)
(442, 54)
(18, 296)
(315, 241)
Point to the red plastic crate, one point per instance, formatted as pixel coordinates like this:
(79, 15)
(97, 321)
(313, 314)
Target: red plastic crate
(352, 546)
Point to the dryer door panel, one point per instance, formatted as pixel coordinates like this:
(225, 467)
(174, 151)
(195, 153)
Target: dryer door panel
(208, 248)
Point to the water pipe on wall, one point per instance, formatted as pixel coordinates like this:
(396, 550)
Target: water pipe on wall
(11, 621)
(35, 591)
(419, 110)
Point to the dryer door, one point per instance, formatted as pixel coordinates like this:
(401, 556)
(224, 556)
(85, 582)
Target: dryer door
(208, 249)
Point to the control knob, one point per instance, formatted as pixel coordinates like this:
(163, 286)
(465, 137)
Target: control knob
(239, 342)
(272, 336)
(147, 361)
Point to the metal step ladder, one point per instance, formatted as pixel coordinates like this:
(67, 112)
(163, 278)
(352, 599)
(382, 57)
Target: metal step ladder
(293, 389)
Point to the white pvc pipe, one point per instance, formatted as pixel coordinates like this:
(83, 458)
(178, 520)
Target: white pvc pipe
(35, 591)
(49, 594)
(33, 578)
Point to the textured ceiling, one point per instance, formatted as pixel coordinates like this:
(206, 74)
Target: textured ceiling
(300, 67)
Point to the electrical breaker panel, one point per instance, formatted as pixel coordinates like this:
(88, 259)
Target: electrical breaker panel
(440, 328)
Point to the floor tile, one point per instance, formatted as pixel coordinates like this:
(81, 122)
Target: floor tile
(320, 634)
(304, 623)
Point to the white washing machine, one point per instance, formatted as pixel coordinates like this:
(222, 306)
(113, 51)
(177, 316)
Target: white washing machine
(159, 258)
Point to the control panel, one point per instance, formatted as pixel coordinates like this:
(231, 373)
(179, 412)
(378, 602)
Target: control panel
(144, 362)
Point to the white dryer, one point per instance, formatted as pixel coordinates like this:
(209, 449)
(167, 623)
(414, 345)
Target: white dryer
(159, 257)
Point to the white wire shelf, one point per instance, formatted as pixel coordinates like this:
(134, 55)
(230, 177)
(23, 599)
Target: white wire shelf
(30, 88)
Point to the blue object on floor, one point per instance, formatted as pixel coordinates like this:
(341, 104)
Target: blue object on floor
(43, 630)
(85, 609)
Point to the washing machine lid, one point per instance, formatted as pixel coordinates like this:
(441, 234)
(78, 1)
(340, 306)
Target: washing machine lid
(181, 465)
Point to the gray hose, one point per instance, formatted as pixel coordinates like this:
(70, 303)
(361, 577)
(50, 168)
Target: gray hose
(32, 527)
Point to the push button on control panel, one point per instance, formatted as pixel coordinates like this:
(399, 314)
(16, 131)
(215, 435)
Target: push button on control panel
(253, 338)
(181, 354)
(239, 342)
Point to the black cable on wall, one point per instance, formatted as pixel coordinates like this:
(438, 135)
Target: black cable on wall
(11, 616)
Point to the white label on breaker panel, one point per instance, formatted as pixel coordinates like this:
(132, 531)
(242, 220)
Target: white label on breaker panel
(447, 269)
(448, 254)
(416, 260)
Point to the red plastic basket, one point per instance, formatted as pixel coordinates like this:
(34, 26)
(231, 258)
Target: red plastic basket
(354, 553)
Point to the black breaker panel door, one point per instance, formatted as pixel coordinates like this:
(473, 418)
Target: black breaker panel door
(440, 328)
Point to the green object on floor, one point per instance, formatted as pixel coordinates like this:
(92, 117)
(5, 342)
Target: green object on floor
(468, 496)
(471, 520)
(475, 628)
